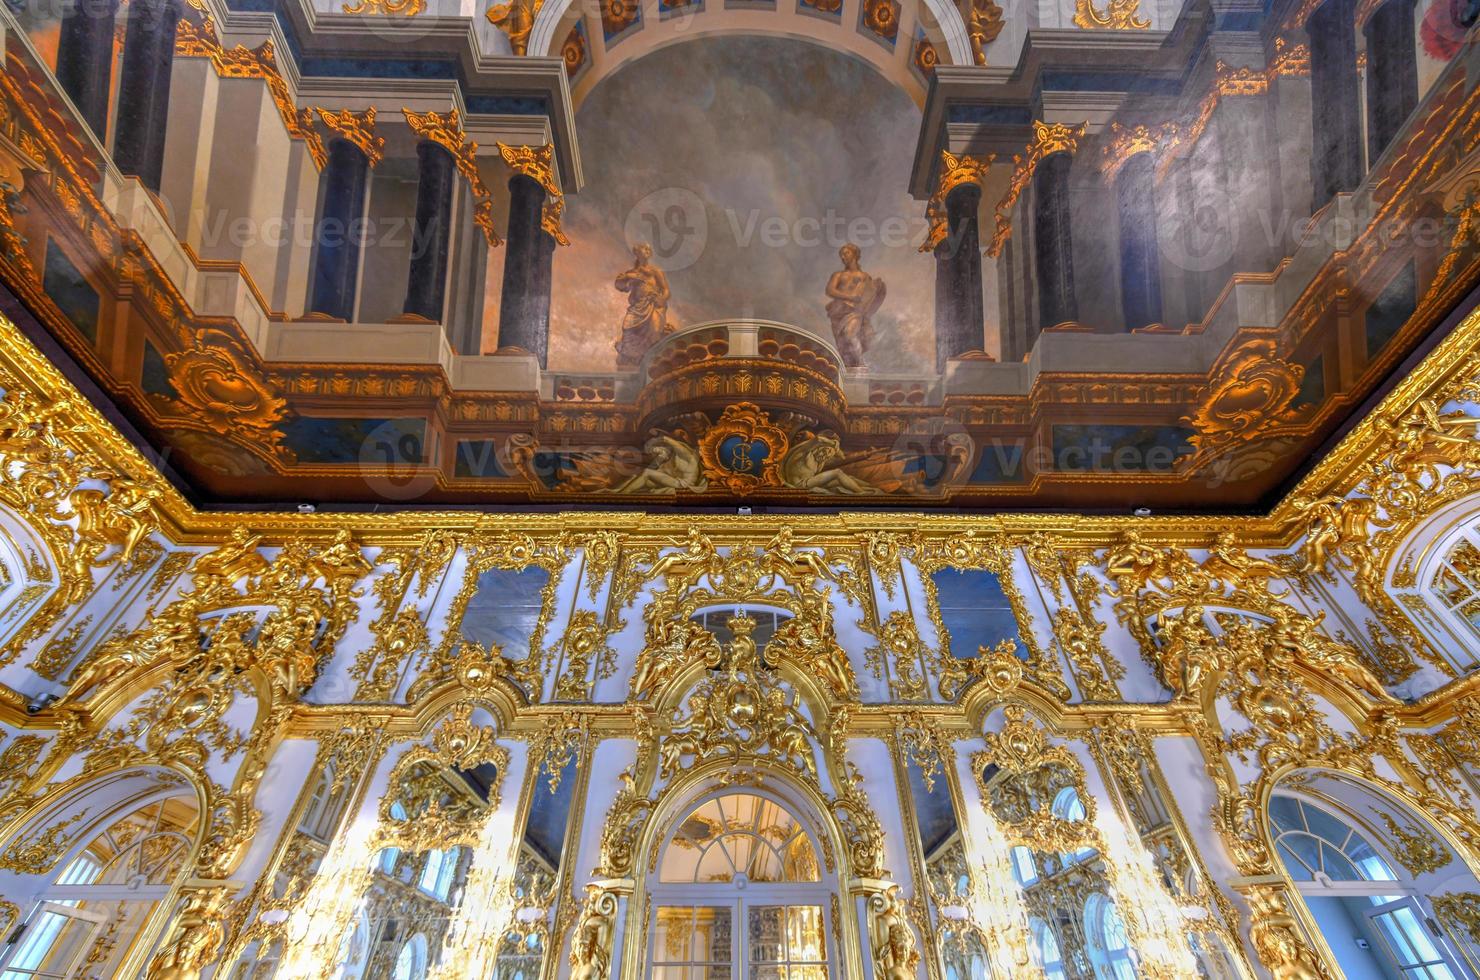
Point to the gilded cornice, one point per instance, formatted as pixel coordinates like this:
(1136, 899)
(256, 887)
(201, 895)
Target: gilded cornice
(201, 41)
(358, 129)
(538, 164)
(1453, 361)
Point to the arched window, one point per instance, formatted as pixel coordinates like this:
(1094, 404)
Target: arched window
(325, 806)
(735, 835)
(438, 873)
(385, 860)
(1316, 845)
(1109, 949)
(1368, 909)
(1024, 868)
(1049, 953)
(355, 949)
(1068, 806)
(1453, 586)
(411, 962)
(115, 881)
(739, 891)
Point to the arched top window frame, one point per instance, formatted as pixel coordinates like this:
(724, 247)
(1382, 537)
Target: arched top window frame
(800, 830)
(1413, 576)
(1319, 838)
(1109, 946)
(411, 960)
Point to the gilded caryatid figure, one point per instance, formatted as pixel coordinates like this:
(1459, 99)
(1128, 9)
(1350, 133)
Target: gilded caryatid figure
(646, 319)
(200, 930)
(853, 297)
(591, 944)
(896, 956)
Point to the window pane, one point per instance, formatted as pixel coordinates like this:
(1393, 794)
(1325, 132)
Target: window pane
(804, 939)
(767, 938)
(694, 935)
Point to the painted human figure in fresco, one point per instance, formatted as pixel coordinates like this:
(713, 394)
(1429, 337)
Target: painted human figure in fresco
(853, 297)
(647, 307)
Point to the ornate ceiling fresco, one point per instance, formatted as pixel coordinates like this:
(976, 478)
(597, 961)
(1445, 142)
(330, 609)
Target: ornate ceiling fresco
(821, 255)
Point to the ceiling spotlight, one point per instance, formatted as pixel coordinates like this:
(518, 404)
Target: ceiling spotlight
(743, 511)
(1142, 512)
(306, 508)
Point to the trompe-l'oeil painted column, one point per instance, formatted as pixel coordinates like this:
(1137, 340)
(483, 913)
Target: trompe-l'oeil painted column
(338, 238)
(524, 310)
(144, 89)
(958, 279)
(1140, 273)
(426, 287)
(1392, 73)
(85, 59)
(1336, 147)
(1053, 244)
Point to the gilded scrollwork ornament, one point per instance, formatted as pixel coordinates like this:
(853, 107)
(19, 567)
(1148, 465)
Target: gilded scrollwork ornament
(1048, 139)
(538, 164)
(357, 129)
(955, 171)
(1118, 15)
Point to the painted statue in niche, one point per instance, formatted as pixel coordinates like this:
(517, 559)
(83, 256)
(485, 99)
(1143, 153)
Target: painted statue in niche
(854, 297)
(647, 307)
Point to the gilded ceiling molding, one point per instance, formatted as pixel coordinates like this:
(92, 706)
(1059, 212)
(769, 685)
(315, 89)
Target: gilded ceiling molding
(1048, 138)
(1119, 15)
(1290, 60)
(881, 17)
(219, 390)
(925, 57)
(358, 129)
(538, 164)
(445, 129)
(955, 171)
(201, 41)
(516, 19)
(1445, 370)
(573, 52)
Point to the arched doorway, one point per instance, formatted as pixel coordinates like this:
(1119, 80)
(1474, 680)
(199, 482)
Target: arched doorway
(739, 890)
(1373, 912)
(94, 917)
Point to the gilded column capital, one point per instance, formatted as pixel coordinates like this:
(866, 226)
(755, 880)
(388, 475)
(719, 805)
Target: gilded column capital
(955, 171)
(358, 129)
(1048, 139)
(538, 164)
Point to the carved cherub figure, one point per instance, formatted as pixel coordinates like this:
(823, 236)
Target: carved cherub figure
(236, 559)
(341, 561)
(174, 635)
(1132, 565)
(681, 570)
(198, 936)
(1232, 565)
